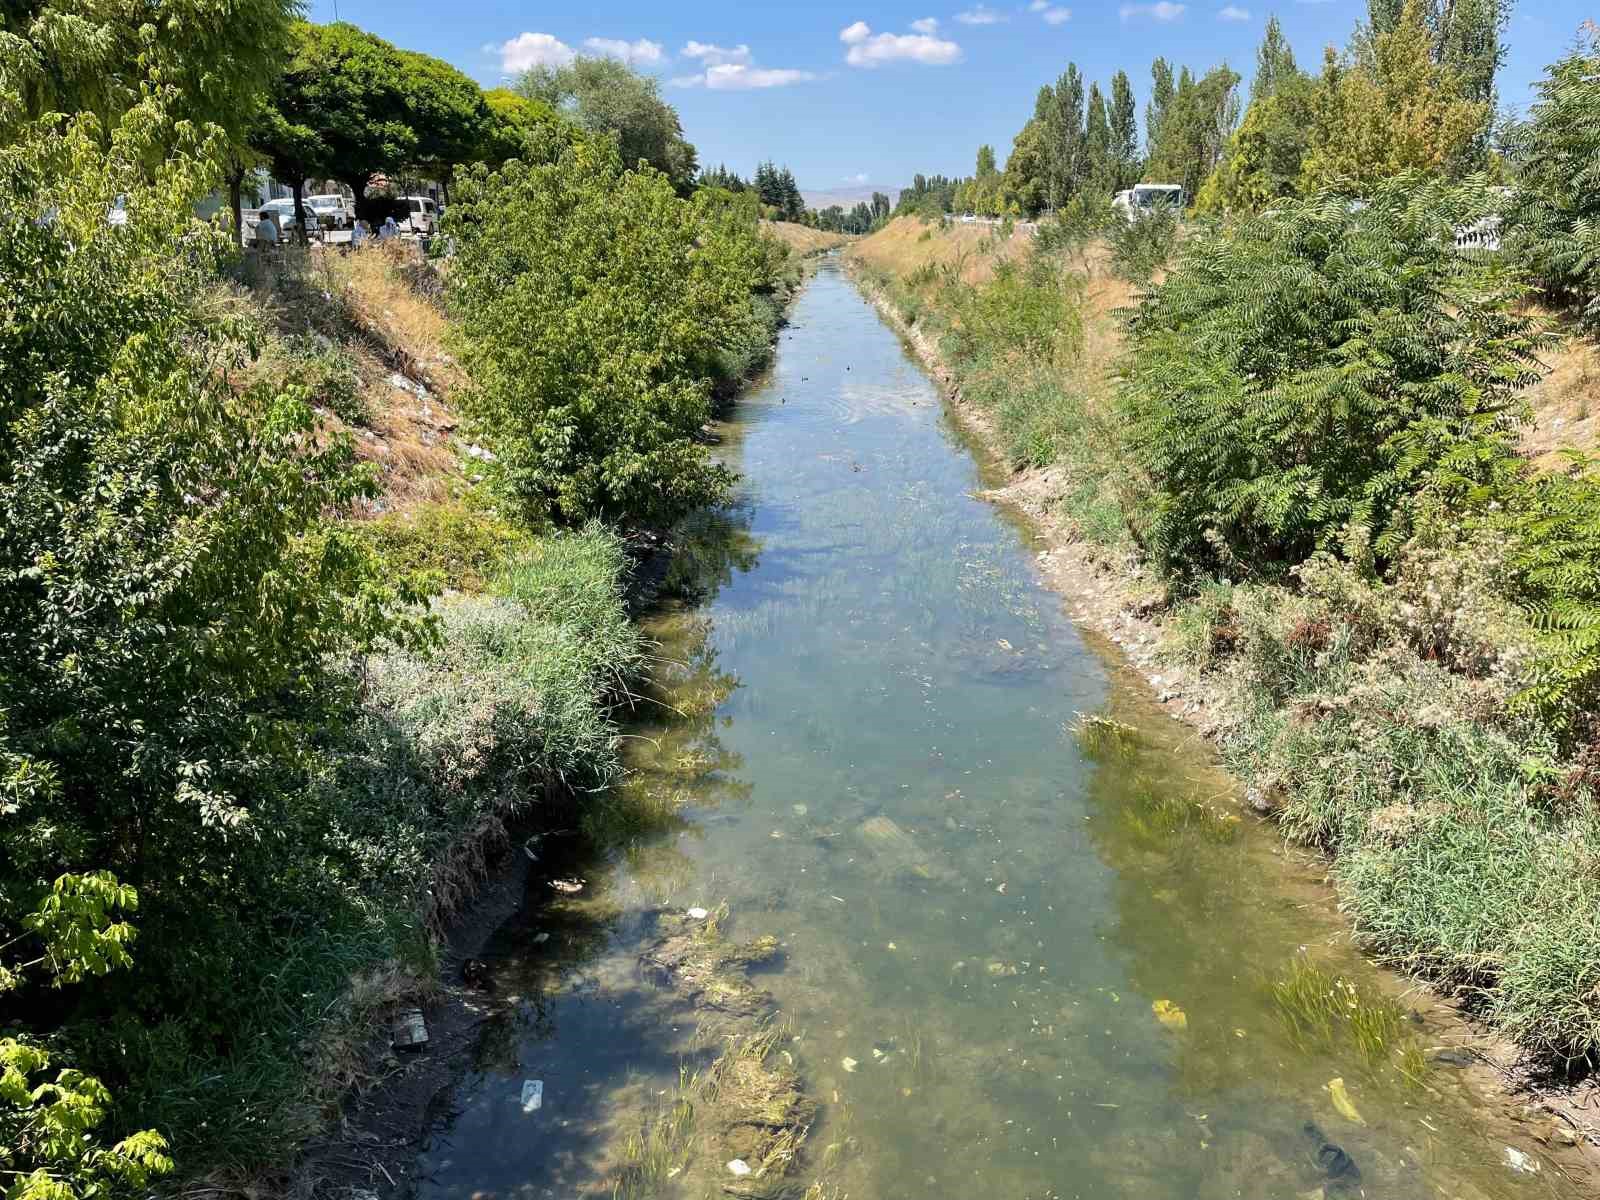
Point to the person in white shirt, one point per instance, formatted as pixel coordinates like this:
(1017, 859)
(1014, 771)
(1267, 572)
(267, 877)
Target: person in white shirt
(388, 229)
(267, 234)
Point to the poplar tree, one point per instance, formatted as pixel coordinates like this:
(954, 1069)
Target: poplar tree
(1274, 62)
(1124, 121)
(1155, 113)
(1100, 171)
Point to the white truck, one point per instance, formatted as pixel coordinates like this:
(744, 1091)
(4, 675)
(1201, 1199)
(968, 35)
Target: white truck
(1141, 198)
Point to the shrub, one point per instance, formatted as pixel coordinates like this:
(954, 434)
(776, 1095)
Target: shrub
(1030, 312)
(1309, 372)
(1141, 245)
(460, 543)
(170, 595)
(591, 302)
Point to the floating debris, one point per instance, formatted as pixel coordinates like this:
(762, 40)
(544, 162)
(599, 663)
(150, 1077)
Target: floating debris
(1170, 1015)
(567, 887)
(1523, 1164)
(409, 1031)
(698, 914)
(532, 1095)
(738, 1166)
(1342, 1102)
(849, 1064)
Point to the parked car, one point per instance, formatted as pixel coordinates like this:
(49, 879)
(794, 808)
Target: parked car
(283, 212)
(1140, 199)
(423, 215)
(333, 211)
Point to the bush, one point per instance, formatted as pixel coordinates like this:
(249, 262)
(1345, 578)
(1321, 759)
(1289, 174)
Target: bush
(1144, 243)
(591, 303)
(1030, 312)
(170, 594)
(1306, 373)
(460, 543)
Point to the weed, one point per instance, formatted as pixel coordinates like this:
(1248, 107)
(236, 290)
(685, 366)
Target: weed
(1105, 740)
(1322, 1011)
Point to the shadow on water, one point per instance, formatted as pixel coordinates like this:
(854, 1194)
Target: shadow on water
(1015, 960)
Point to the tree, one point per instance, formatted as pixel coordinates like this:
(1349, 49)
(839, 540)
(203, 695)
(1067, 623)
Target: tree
(1299, 375)
(1195, 128)
(1025, 169)
(605, 96)
(1275, 63)
(986, 162)
(1124, 120)
(591, 302)
(1265, 157)
(511, 118)
(1155, 112)
(1393, 110)
(213, 61)
(1100, 172)
(349, 89)
(447, 112)
(1554, 222)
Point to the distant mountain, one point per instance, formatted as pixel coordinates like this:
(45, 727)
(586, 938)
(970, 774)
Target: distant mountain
(847, 197)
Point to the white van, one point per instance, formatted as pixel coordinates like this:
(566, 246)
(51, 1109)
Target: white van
(1141, 198)
(423, 214)
(333, 211)
(283, 213)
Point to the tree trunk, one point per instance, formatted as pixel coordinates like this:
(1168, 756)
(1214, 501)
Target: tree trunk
(300, 236)
(358, 188)
(236, 201)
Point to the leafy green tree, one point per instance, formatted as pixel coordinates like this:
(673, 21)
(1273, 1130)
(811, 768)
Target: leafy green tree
(511, 119)
(1162, 90)
(1025, 169)
(1124, 121)
(447, 111)
(591, 301)
(1554, 223)
(1265, 157)
(1394, 109)
(1195, 128)
(350, 90)
(1100, 172)
(605, 96)
(1275, 65)
(1297, 376)
(214, 63)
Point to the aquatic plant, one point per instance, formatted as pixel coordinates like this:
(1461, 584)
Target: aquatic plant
(1321, 1010)
(1103, 739)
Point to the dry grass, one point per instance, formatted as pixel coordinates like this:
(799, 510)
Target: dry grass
(906, 244)
(804, 240)
(1566, 405)
(382, 305)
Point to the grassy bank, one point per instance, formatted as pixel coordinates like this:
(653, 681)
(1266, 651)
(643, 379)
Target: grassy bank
(1383, 702)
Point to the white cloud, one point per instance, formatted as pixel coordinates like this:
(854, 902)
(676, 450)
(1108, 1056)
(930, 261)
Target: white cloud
(868, 49)
(532, 50)
(730, 77)
(1161, 10)
(858, 178)
(1053, 14)
(636, 54)
(926, 25)
(1234, 13)
(716, 56)
(734, 71)
(981, 15)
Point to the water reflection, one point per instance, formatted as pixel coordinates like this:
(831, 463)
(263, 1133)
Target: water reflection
(859, 740)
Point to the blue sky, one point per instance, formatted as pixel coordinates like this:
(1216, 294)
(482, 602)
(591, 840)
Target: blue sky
(873, 91)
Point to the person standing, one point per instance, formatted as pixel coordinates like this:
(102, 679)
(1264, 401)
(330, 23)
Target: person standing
(359, 233)
(388, 230)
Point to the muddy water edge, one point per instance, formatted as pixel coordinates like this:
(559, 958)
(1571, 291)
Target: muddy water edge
(912, 892)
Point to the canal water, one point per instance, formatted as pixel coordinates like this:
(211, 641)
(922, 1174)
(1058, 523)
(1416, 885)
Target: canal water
(1016, 961)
